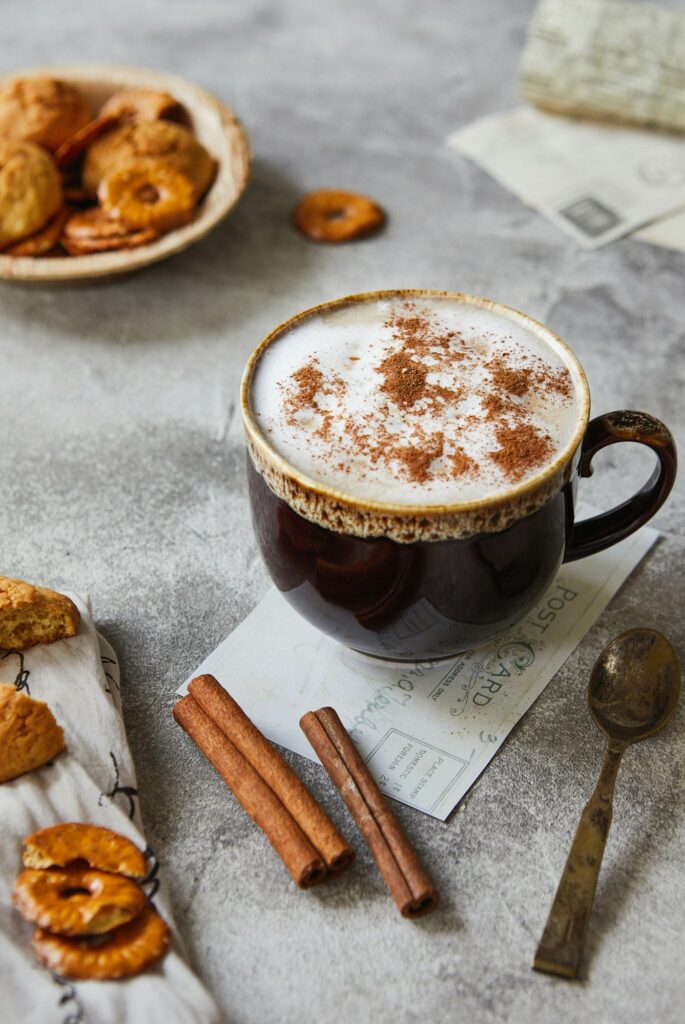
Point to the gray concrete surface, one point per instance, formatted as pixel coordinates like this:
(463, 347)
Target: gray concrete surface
(122, 475)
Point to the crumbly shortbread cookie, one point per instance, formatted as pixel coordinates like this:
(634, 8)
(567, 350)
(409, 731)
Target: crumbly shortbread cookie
(44, 240)
(30, 190)
(29, 734)
(34, 615)
(42, 110)
(160, 140)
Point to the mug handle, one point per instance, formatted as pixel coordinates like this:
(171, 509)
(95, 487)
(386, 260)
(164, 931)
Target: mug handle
(599, 532)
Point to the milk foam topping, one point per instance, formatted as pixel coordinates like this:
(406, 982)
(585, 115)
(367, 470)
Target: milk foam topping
(417, 400)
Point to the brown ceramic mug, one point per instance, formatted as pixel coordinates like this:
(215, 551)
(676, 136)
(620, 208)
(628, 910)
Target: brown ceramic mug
(415, 582)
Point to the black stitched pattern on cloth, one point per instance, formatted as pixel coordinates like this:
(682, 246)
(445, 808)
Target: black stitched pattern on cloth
(76, 1013)
(21, 680)
(130, 793)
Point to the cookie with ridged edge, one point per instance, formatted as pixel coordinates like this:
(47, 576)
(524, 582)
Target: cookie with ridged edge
(149, 140)
(101, 848)
(144, 105)
(124, 952)
(76, 900)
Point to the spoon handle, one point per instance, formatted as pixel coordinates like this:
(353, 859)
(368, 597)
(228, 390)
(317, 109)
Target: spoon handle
(562, 941)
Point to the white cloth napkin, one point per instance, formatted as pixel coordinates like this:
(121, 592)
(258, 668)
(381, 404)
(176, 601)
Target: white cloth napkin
(92, 781)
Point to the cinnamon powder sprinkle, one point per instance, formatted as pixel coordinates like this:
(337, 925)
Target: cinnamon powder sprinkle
(309, 381)
(521, 447)
(495, 405)
(462, 463)
(404, 379)
(507, 379)
(408, 373)
(519, 381)
(417, 460)
(419, 335)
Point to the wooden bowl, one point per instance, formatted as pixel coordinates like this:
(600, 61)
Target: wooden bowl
(216, 127)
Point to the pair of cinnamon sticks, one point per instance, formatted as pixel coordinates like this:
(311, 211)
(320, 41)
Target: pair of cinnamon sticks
(297, 827)
(275, 798)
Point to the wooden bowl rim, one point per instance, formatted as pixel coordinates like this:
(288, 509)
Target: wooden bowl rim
(237, 151)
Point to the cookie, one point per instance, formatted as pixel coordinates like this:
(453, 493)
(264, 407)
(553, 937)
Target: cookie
(331, 215)
(42, 110)
(94, 230)
(144, 105)
(75, 900)
(34, 615)
(44, 240)
(30, 193)
(102, 849)
(29, 734)
(148, 194)
(159, 140)
(75, 146)
(126, 951)
(94, 224)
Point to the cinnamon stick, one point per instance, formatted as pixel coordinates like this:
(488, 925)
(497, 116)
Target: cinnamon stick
(409, 885)
(216, 702)
(259, 800)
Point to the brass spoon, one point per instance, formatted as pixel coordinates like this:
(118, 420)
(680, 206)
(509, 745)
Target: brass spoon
(633, 691)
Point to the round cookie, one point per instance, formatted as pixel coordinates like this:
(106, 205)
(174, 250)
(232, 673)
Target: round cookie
(144, 105)
(102, 849)
(76, 145)
(94, 230)
(44, 240)
(30, 190)
(148, 194)
(159, 140)
(29, 734)
(42, 110)
(94, 225)
(331, 215)
(124, 952)
(76, 901)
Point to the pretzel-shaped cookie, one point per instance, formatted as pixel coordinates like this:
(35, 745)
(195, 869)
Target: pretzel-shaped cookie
(102, 849)
(331, 215)
(143, 104)
(124, 952)
(76, 901)
(148, 194)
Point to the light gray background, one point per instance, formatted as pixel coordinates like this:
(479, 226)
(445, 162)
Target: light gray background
(122, 476)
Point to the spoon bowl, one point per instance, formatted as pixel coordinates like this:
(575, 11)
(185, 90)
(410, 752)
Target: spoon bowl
(634, 686)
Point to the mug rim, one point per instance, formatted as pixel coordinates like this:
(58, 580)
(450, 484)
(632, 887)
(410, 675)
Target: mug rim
(515, 493)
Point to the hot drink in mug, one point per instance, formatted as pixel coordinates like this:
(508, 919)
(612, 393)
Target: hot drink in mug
(412, 465)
